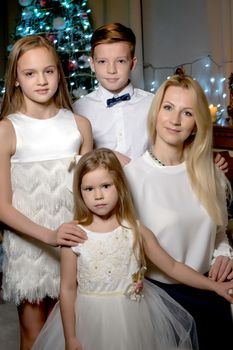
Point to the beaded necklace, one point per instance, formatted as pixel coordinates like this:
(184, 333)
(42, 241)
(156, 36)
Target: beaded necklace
(155, 158)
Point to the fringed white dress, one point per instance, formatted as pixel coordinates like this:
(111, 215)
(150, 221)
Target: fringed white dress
(107, 316)
(39, 168)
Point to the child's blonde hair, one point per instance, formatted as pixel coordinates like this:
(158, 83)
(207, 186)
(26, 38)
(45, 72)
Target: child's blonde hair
(125, 211)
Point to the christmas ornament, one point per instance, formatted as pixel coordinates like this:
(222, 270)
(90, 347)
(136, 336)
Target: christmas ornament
(27, 13)
(88, 47)
(72, 65)
(9, 48)
(80, 92)
(59, 23)
(25, 2)
(45, 3)
(51, 37)
(83, 61)
(84, 16)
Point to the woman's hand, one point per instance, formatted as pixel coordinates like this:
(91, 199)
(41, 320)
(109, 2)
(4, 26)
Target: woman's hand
(68, 234)
(222, 269)
(225, 289)
(221, 162)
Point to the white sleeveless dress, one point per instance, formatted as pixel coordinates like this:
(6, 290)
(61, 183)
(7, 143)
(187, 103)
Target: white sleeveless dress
(39, 168)
(109, 319)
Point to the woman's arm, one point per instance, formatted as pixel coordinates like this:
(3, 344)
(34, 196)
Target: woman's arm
(67, 233)
(180, 271)
(68, 294)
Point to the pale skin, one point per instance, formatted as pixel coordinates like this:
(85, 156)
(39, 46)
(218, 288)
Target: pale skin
(38, 78)
(100, 196)
(175, 122)
(112, 64)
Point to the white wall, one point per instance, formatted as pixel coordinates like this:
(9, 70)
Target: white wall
(198, 32)
(175, 31)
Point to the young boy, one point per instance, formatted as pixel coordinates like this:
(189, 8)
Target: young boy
(121, 124)
(117, 110)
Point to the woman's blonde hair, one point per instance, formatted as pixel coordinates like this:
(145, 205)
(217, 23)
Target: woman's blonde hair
(125, 212)
(13, 96)
(198, 150)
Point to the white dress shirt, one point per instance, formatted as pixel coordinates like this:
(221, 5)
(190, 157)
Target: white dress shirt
(122, 127)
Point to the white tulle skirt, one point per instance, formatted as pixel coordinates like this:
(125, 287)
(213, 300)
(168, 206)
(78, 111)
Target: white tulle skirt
(118, 323)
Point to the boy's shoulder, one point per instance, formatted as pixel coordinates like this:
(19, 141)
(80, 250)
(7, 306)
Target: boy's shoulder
(143, 93)
(84, 99)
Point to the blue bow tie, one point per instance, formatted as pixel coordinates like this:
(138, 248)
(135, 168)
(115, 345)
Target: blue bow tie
(112, 101)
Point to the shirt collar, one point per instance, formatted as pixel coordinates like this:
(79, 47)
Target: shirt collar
(104, 94)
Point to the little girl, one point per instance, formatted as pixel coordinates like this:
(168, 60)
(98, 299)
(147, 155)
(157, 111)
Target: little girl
(39, 135)
(105, 303)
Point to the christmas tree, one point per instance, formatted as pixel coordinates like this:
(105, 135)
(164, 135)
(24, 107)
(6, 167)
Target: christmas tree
(66, 24)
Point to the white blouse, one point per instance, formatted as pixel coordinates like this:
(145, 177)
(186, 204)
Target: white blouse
(167, 205)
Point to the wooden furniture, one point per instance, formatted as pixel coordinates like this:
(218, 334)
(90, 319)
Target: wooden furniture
(223, 143)
(223, 137)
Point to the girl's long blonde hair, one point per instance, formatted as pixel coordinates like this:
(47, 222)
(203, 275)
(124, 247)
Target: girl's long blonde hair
(13, 97)
(125, 211)
(198, 148)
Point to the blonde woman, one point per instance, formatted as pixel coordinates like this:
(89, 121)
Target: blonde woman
(181, 196)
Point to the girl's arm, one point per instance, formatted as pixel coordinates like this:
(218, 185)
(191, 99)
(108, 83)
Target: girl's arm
(222, 259)
(221, 162)
(84, 127)
(222, 263)
(222, 269)
(66, 234)
(68, 293)
(180, 271)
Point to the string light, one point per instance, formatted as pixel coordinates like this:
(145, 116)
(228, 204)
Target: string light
(205, 70)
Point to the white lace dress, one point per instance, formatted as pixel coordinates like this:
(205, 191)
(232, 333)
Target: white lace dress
(107, 318)
(39, 168)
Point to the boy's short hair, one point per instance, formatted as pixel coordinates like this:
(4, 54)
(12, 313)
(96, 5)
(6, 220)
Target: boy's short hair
(113, 33)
